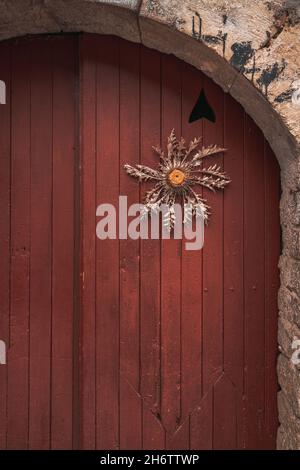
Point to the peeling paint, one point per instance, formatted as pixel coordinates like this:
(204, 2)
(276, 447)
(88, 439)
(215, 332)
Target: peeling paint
(287, 14)
(219, 39)
(242, 53)
(252, 70)
(197, 31)
(284, 96)
(269, 74)
(211, 39)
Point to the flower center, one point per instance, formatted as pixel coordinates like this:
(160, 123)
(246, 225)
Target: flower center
(176, 177)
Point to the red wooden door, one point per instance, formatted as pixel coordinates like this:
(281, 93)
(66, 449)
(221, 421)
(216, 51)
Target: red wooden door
(121, 344)
(37, 139)
(179, 348)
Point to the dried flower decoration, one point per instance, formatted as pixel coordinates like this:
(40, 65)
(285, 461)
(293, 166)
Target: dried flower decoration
(179, 170)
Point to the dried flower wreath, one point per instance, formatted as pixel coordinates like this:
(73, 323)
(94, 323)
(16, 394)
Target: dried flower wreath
(179, 170)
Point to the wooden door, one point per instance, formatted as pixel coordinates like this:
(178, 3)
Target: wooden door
(129, 344)
(179, 347)
(37, 155)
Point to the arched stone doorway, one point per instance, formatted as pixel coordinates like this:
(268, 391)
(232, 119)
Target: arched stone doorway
(170, 26)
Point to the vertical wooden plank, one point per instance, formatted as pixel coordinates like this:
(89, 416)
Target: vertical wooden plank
(272, 253)
(107, 251)
(233, 242)
(180, 439)
(130, 416)
(234, 252)
(171, 266)
(254, 271)
(17, 406)
(225, 416)
(5, 174)
(88, 112)
(153, 433)
(63, 235)
(41, 243)
(191, 322)
(201, 424)
(213, 252)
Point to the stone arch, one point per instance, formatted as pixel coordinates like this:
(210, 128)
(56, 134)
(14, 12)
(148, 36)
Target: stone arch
(249, 49)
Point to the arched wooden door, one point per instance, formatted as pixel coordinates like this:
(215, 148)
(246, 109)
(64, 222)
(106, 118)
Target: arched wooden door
(129, 344)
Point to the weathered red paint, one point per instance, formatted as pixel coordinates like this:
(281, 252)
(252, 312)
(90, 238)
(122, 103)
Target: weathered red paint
(37, 241)
(123, 344)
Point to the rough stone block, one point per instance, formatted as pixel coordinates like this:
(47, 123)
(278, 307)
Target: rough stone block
(289, 380)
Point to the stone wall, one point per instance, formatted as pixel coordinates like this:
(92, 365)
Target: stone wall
(251, 49)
